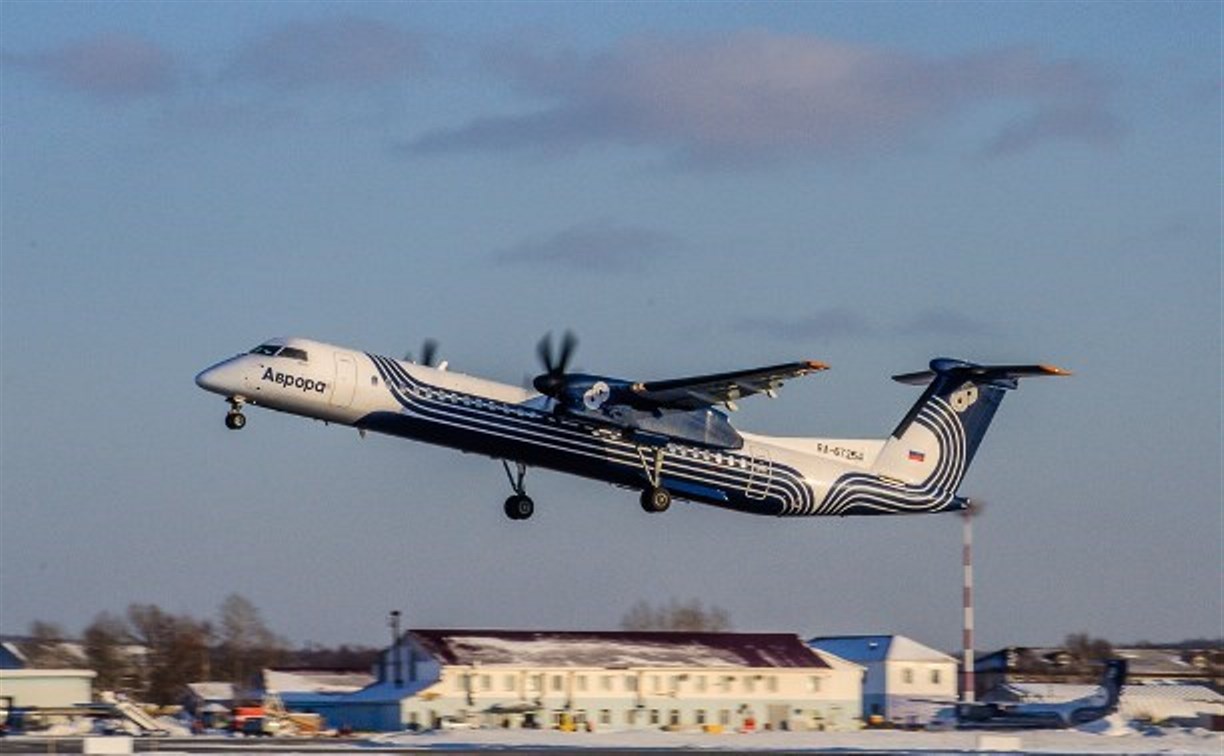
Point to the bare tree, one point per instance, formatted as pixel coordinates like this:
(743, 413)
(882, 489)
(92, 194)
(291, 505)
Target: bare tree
(691, 616)
(176, 648)
(47, 647)
(106, 641)
(246, 643)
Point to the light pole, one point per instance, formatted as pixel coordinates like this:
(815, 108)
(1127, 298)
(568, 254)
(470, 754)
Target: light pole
(397, 664)
(972, 509)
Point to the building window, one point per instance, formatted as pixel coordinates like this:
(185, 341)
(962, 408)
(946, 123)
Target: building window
(657, 682)
(699, 716)
(813, 684)
(535, 683)
(699, 683)
(907, 676)
(654, 717)
(558, 683)
(509, 683)
(631, 683)
(606, 682)
(724, 717)
(771, 684)
(673, 718)
(486, 682)
(935, 677)
(580, 683)
(605, 716)
(749, 684)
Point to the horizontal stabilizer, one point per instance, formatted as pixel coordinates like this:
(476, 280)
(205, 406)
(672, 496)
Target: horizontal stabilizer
(1003, 376)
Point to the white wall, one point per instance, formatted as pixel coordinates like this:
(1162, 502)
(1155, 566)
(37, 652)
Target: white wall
(47, 687)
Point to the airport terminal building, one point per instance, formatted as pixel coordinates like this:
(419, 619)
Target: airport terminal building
(606, 680)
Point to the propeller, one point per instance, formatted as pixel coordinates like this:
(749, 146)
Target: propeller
(429, 351)
(552, 381)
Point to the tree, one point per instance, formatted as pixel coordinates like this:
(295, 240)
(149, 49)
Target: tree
(690, 616)
(105, 642)
(47, 648)
(176, 650)
(246, 643)
(1088, 653)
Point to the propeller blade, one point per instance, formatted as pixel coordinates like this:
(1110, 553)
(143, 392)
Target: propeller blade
(569, 343)
(544, 352)
(552, 381)
(429, 350)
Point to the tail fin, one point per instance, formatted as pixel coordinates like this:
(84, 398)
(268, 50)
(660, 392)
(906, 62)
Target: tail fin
(1112, 681)
(935, 442)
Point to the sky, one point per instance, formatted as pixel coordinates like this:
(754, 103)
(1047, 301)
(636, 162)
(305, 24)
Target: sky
(690, 188)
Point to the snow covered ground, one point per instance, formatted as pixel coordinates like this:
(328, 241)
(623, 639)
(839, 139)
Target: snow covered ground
(1107, 736)
(1110, 736)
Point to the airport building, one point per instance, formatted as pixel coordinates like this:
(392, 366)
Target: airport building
(905, 682)
(605, 680)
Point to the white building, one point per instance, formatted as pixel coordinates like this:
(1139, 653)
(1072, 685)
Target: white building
(614, 680)
(47, 687)
(905, 683)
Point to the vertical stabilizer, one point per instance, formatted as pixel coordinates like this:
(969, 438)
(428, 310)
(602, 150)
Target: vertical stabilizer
(935, 442)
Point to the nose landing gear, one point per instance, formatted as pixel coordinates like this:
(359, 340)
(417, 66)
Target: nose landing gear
(234, 419)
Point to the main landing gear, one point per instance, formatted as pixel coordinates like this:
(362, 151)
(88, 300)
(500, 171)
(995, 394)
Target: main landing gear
(519, 506)
(656, 498)
(234, 419)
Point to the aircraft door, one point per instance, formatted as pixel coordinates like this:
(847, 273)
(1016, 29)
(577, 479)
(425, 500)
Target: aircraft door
(760, 472)
(346, 380)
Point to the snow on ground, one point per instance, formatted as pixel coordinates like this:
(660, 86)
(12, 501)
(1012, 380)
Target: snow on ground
(1103, 737)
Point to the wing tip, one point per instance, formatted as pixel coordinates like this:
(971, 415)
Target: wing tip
(815, 366)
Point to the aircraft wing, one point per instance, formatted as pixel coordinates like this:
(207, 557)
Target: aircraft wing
(720, 388)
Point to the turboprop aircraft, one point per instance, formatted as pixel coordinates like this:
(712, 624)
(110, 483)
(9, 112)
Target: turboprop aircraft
(664, 438)
(1018, 716)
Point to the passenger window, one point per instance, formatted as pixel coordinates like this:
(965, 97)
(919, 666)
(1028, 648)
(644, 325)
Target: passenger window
(293, 354)
(267, 349)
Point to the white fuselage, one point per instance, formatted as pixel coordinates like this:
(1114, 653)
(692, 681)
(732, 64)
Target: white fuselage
(768, 475)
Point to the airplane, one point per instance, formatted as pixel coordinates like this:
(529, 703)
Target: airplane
(665, 438)
(1080, 711)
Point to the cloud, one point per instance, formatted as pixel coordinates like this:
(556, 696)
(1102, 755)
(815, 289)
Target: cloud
(339, 51)
(827, 324)
(939, 321)
(767, 95)
(107, 66)
(596, 246)
(835, 323)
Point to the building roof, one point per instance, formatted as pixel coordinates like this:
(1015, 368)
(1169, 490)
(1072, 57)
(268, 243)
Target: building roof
(1152, 663)
(616, 649)
(315, 680)
(212, 690)
(876, 648)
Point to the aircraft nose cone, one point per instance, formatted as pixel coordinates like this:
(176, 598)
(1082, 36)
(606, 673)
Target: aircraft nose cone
(219, 379)
(207, 380)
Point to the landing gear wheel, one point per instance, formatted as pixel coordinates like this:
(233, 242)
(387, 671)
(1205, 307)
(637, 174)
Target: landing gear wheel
(519, 507)
(235, 420)
(656, 499)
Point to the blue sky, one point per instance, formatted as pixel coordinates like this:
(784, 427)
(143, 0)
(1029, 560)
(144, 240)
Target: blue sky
(691, 188)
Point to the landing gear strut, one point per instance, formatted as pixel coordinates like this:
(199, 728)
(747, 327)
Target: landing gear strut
(234, 419)
(519, 506)
(656, 498)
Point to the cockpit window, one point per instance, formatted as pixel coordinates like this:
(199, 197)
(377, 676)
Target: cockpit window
(268, 349)
(293, 354)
